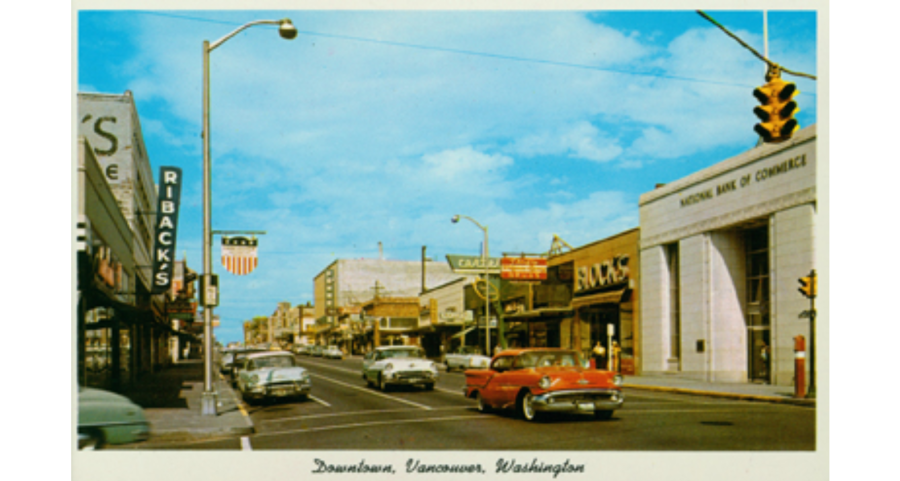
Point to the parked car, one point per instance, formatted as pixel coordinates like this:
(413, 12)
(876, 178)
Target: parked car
(226, 359)
(272, 375)
(535, 381)
(316, 351)
(237, 362)
(466, 357)
(301, 349)
(387, 366)
(106, 418)
(333, 352)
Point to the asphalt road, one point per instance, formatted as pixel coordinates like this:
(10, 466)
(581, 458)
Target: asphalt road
(343, 413)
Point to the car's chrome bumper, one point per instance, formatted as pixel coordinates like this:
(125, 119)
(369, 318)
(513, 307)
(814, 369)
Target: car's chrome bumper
(281, 390)
(580, 400)
(402, 378)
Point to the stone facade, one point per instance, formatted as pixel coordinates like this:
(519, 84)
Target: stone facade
(721, 252)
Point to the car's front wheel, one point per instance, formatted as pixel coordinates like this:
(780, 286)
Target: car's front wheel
(526, 407)
(90, 440)
(483, 407)
(429, 386)
(603, 415)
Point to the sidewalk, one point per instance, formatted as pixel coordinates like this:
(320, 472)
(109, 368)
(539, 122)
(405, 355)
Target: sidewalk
(730, 390)
(171, 399)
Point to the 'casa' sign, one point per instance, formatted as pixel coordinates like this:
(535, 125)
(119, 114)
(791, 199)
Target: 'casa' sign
(602, 275)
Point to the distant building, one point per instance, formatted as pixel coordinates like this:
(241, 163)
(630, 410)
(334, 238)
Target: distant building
(351, 283)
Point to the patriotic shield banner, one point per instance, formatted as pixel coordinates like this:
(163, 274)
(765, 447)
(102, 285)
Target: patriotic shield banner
(239, 255)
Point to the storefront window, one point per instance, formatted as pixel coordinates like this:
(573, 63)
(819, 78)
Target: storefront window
(97, 349)
(544, 334)
(124, 354)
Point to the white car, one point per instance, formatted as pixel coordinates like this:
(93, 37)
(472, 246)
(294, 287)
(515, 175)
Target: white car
(399, 365)
(272, 374)
(466, 357)
(333, 352)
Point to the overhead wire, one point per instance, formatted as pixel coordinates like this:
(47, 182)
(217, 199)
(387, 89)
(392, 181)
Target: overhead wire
(752, 50)
(473, 53)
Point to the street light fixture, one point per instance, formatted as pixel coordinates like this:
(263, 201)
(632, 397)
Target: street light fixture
(487, 284)
(208, 400)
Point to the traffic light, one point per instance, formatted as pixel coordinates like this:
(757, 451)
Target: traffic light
(777, 108)
(807, 286)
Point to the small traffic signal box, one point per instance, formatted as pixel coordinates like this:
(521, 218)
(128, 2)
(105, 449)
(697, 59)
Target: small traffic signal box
(807, 286)
(777, 108)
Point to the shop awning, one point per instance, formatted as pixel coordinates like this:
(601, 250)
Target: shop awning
(611, 297)
(463, 333)
(542, 312)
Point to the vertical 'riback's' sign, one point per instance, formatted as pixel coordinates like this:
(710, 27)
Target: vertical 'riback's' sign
(166, 227)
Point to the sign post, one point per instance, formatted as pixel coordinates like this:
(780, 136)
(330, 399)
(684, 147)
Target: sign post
(486, 266)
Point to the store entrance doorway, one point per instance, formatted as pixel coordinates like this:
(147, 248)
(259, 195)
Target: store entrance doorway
(605, 330)
(760, 355)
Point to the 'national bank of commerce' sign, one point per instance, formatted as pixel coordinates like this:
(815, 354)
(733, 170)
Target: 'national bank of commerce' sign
(166, 226)
(473, 264)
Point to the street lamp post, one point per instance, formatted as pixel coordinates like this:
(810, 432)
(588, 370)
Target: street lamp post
(208, 404)
(487, 284)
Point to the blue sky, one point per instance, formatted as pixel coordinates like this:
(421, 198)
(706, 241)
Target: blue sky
(381, 125)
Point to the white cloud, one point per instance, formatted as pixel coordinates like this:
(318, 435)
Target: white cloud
(463, 163)
(581, 140)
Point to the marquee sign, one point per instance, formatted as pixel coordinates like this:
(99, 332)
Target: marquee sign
(239, 255)
(166, 226)
(523, 268)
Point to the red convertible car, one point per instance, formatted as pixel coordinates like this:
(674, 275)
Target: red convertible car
(539, 380)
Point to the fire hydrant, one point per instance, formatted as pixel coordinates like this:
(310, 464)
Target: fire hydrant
(799, 367)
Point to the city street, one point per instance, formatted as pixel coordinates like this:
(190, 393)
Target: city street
(614, 220)
(343, 413)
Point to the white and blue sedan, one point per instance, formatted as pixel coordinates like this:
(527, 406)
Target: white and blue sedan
(388, 366)
(272, 375)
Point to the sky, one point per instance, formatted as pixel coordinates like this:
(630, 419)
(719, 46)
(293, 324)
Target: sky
(379, 126)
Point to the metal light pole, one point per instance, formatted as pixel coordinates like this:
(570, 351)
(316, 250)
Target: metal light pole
(208, 405)
(487, 284)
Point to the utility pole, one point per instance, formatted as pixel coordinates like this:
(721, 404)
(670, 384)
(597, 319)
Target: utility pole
(812, 336)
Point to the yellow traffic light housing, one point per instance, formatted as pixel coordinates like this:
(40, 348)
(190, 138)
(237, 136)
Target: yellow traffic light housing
(807, 286)
(777, 108)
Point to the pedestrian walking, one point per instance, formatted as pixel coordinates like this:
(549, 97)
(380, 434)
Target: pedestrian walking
(599, 353)
(616, 355)
(764, 357)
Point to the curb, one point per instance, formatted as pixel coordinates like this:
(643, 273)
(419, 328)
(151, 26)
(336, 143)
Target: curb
(727, 395)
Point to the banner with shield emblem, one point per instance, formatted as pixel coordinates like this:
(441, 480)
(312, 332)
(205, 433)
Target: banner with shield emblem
(239, 255)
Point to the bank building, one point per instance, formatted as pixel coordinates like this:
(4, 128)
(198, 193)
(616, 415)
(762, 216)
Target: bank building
(721, 252)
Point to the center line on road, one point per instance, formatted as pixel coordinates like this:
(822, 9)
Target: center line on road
(374, 393)
(319, 401)
(374, 423)
(356, 413)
